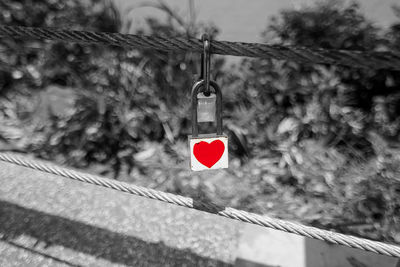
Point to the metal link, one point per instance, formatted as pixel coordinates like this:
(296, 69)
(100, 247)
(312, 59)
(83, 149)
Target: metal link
(206, 63)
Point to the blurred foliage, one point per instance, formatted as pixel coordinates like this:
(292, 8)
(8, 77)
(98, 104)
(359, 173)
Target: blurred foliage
(124, 97)
(312, 143)
(394, 32)
(337, 104)
(320, 121)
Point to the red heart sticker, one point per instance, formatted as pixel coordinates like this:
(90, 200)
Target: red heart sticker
(208, 153)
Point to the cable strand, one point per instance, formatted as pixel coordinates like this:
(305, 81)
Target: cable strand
(261, 220)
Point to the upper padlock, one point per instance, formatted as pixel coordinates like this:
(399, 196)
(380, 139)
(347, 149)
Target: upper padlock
(218, 106)
(206, 106)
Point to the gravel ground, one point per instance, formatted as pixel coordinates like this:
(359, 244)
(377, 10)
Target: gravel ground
(46, 220)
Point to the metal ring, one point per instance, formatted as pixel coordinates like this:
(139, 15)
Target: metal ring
(206, 58)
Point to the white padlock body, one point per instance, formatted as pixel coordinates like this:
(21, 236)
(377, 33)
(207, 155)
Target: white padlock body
(206, 107)
(208, 152)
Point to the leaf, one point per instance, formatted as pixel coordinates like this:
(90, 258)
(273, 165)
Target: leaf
(288, 125)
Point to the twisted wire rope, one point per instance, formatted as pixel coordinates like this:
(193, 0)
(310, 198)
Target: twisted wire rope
(252, 218)
(356, 59)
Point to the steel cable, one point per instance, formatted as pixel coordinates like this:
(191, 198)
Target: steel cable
(355, 59)
(261, 220)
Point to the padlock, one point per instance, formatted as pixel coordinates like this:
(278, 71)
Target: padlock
(207, 151)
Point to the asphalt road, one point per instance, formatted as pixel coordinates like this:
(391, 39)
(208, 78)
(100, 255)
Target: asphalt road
(46, 220)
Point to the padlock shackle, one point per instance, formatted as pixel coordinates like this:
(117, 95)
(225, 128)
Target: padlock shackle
(218, 110)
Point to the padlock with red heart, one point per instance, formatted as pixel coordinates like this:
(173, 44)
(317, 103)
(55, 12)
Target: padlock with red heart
(207, 151)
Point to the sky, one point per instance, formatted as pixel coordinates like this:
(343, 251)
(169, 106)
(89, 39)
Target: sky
(244, 20)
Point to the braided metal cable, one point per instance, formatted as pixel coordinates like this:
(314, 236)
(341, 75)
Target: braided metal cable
(355, 59)
(261, 220)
